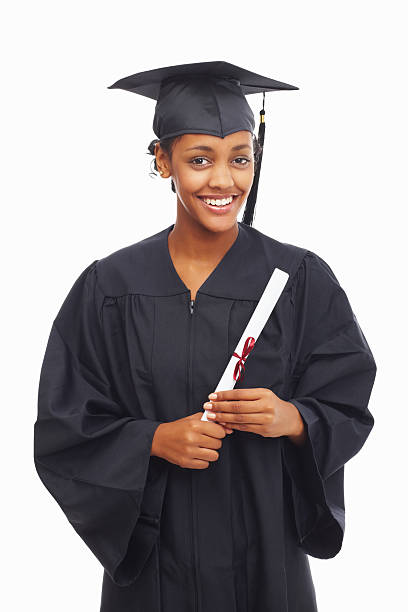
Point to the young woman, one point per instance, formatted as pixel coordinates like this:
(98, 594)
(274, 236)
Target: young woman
(188, 515)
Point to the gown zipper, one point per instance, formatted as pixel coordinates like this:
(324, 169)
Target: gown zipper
(193, 503)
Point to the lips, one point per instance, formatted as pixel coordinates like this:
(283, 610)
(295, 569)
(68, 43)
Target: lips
(218, 197)
(218, 210)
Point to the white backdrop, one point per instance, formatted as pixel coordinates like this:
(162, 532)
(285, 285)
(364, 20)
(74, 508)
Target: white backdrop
(76, 187)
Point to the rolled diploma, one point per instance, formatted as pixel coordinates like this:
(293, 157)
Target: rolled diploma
(257, 322)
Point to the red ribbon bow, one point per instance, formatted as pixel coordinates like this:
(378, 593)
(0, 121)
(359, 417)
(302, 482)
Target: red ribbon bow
(239, 366)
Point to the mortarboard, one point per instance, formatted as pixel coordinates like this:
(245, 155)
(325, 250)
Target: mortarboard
(205, 98)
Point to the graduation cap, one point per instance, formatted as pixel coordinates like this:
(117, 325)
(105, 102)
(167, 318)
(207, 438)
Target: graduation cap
(205, 98)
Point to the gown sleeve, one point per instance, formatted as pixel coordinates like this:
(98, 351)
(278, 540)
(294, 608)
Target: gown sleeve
(89, 452)
(333, 372)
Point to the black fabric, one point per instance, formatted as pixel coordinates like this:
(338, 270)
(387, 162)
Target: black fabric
(200, 97)
(125, 354)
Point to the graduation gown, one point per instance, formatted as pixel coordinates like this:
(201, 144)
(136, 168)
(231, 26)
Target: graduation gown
(126, 352)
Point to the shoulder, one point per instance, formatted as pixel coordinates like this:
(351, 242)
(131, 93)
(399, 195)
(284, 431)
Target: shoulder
(272, 244)
(302, 263)
(124, 270)
(315, 272)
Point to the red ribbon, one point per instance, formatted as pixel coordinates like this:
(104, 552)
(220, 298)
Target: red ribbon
(239, 366)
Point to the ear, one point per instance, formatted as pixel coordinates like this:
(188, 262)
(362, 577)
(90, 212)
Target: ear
(161, 161)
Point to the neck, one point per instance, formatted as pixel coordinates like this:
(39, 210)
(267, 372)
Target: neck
(198, 243)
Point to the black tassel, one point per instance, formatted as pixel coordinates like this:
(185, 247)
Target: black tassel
(251, 200)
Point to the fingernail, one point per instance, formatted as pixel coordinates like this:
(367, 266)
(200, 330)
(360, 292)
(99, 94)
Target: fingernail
(211, 415)
(212, 396)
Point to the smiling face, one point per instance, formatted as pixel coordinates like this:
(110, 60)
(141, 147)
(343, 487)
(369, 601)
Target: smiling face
(207, 170)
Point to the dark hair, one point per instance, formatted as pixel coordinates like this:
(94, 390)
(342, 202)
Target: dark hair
(168, 143)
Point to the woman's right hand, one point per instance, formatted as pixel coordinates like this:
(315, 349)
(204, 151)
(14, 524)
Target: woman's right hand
(189, 442)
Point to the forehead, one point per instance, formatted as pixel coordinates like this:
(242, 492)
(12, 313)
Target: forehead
(192, 141)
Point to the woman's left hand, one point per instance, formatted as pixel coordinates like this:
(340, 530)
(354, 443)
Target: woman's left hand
(257, 410)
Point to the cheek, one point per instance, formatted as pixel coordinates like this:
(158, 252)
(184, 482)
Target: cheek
(190, 181)
(244, 180)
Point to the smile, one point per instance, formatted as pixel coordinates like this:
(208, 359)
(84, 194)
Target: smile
(218, 205)
(218, 201)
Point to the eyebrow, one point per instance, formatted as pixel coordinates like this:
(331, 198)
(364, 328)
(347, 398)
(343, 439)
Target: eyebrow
(205, 148)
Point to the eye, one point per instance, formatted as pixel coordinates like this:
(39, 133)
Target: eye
(195, 159)
(246, 160)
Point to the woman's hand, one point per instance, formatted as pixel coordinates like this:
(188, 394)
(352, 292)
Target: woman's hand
(257, 410)
(188, 442)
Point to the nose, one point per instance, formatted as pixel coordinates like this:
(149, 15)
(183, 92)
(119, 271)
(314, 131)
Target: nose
(221, 177)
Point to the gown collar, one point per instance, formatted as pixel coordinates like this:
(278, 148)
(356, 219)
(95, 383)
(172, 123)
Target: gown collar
(146, 267)
(242, 273)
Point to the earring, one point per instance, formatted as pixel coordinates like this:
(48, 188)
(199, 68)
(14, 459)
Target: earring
(161, 171)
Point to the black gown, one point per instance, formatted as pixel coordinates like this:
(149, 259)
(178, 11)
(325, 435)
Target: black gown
(126, 352)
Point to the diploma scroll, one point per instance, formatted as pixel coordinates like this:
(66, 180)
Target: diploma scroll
(236, 365)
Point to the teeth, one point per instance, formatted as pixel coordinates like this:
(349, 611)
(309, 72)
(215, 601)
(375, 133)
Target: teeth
(218, 202)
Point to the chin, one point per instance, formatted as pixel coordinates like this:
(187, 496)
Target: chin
(219, 225)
